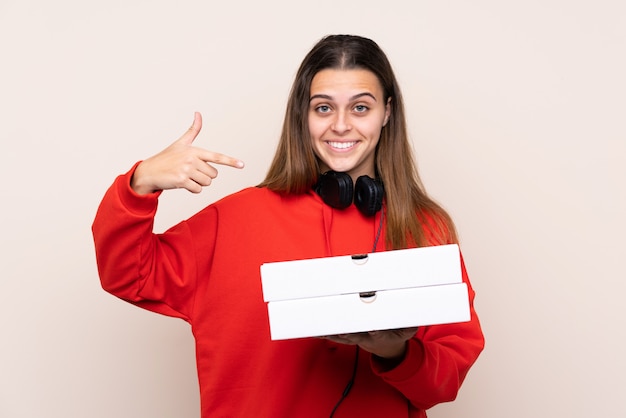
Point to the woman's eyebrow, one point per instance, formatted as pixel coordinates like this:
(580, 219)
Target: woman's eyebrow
(355, 97)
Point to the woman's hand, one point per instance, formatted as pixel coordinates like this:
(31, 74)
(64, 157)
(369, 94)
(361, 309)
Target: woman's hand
(388, 344)
(180, 166)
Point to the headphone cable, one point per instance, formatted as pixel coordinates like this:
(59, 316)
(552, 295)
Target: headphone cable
(348, 387)
(380, 229)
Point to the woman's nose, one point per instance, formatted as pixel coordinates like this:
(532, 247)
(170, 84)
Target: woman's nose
(341, 123)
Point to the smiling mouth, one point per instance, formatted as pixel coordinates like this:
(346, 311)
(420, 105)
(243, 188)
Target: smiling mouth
(341, 145)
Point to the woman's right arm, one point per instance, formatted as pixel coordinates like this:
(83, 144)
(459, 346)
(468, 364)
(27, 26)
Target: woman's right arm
(149, 270)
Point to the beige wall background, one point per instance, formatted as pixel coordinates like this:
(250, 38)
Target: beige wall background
(517, 112)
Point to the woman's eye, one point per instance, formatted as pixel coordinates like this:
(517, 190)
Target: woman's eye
(323, 108)
(360, 108)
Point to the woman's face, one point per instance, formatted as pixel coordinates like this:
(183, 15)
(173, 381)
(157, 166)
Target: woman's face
(347, 111)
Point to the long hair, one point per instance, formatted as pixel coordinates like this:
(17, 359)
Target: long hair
(413, 218)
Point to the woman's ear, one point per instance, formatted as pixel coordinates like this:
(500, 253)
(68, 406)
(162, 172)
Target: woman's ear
(387, 111)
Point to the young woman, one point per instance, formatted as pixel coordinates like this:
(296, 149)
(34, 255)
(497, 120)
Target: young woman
(344, 127)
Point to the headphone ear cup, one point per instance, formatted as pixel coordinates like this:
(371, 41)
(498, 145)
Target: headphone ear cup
(335, 189)
(368, 195)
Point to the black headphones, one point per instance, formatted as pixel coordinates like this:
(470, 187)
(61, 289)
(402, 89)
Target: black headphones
(337, 191)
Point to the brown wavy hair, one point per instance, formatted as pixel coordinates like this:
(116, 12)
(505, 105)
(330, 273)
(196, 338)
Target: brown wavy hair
(413, 218)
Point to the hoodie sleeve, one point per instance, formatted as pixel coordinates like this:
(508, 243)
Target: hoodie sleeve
(157, 272)
(437, 360)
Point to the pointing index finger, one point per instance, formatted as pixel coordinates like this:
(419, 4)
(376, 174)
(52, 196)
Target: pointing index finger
(217, 158)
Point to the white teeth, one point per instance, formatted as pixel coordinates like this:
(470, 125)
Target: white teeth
(341, 145)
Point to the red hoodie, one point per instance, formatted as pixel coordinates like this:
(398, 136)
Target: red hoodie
(205, 270)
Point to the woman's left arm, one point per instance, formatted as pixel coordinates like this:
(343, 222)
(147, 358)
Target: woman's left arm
(436, 359)
(427, 365)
